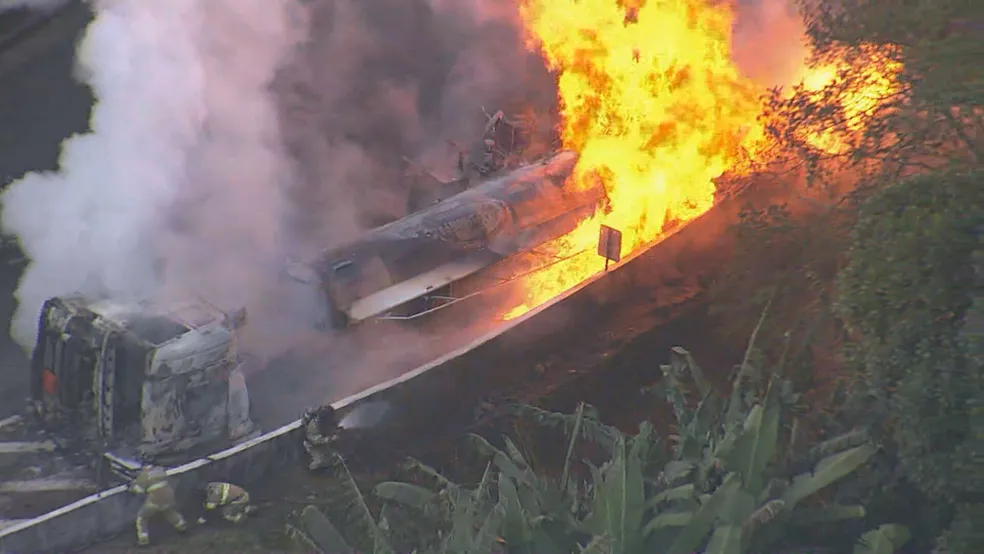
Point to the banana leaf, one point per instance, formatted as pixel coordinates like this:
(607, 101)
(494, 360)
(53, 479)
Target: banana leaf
(364, 533)
(683, 492)
(726, 539)
(517, 526)
(737, 508)
(502, 461)
(829, 470)
(407, 494)
(692, 536)
(682, 361)
(515, 454)
(572, 444)
(826, 514)
(676, 470)
(757, 442)
(589, 429)
(413, 465)
(764, 515)
(473, 518)
(667, 520)
(707, 414)
(314, 530)
(618, 503)
(599, 545)
(886, 539)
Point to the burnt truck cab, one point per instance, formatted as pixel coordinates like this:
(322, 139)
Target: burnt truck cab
(139, 381)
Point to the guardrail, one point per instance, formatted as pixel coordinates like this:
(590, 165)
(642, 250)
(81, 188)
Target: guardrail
(445, 390)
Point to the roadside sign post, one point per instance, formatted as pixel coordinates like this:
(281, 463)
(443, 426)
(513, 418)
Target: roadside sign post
(610, 244)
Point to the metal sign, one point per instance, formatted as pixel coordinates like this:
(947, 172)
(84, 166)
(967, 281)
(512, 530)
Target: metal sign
(610, 244)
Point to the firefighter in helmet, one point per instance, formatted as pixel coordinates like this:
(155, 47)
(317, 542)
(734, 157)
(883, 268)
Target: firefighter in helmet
(232, 499)
(320, 429)
(152, 482)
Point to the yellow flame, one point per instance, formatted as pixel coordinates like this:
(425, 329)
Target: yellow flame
(652, 102)
(654, 105)
(877, 80)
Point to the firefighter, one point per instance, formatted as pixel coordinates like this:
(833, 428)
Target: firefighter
(320, 429)
(152, 481)
(487, 163)
(233, 499)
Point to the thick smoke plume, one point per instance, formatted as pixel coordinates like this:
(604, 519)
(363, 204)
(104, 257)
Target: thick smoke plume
(769, 41)
(231, 135)
(181, 177)
(381, 81)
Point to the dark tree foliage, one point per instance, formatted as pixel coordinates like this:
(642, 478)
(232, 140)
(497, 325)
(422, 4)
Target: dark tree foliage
(910, 296)
(928, 118)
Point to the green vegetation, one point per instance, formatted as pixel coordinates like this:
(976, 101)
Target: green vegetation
(725, 481)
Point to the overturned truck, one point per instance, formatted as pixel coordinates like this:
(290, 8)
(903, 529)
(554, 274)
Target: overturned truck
(499, 216)
(134, 382)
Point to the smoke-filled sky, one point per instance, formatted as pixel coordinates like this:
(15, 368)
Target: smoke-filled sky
(231, 135)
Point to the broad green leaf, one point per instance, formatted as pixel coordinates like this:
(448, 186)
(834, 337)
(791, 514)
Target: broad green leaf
(829, 470)
(407, 494)
(590, 428)
(697, 529)
(726, 539)
(684, 362)
(665, 520)
(320, 532)
(826, 514)
(683, 492)
(886, 539)
(766, 514)
(515, 454)
(365, 535)
(499, 458)
(690, 448)
(756, 444)
(602, 544)
(516, 525)
(643, 446)
(489, 532)
(619, 502)
(413, 465)
(839, 443)
(574, 434)
(676, 470)
(707, 414)
(737, 507)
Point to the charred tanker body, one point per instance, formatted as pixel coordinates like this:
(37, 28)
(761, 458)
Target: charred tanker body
(499, 217)
(139, 382)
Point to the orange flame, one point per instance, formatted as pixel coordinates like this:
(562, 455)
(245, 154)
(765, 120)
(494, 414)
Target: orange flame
(654, 105)
(876, 82)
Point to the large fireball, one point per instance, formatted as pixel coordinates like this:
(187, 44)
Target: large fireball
(652, 102)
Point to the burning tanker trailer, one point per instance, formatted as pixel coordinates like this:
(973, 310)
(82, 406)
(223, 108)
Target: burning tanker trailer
(391, 268)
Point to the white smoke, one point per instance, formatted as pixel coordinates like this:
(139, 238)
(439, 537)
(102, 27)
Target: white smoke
(769, 42)
(366, 414)
(178, 187)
